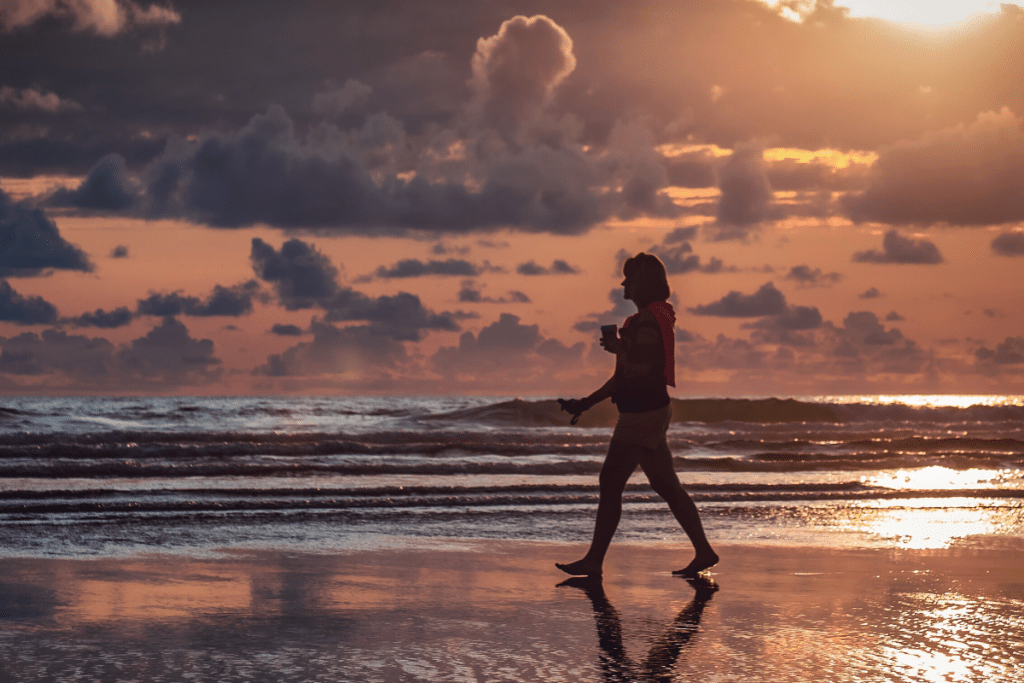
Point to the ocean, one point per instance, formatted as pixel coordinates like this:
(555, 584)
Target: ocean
(101, 476)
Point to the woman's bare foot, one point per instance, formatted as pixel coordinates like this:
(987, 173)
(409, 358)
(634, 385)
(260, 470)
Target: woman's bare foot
(700, 563)
(582, 567)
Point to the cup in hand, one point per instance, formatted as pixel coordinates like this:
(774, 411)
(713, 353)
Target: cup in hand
(609, 331)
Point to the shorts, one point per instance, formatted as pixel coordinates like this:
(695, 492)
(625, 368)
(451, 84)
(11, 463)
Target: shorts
(647, 430)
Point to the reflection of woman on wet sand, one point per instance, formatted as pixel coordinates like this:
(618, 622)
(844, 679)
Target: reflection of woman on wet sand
(661, 659)
(644, 365)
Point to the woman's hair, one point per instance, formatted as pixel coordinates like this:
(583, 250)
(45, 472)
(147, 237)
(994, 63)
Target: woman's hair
(648, 272)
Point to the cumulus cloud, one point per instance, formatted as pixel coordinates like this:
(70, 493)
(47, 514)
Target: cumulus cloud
(286, 330)
(746, 197)
(338, 100)
(120, 251)
(1009, 352)
(676, 253)
(55, 350)
(103, 17)
(767, 300)
(471, 293)
(966, 175)
(901, 250)
(1009, 244)
(119, 317)
(870, 293)
(348, 350)
(302, 276)
(31, 98)
(108, 186)
(448, 267)
(503, 344)
(169, 353)
(24, 310)
(805, 275)
(227, 301)
(621, 308)
(516, 70)
(30, 243)
(558, 267)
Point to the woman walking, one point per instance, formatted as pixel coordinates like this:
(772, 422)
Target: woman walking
(644, 365)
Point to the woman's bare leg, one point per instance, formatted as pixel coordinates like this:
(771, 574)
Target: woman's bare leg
(618, 466)
(657, 465)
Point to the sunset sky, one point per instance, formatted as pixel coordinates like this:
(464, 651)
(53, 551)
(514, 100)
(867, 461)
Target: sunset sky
(424, 197)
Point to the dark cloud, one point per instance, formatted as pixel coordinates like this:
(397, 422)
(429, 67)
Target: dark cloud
(676, 253)
(901, 250)
(691, 169)
(864, 329)
(338, 100)
(30, 243)
(746, 197)
(805, 275)
(336, 351)
(870, 293)
(286, 330)
(1010, 351)
(401, 317)
(24, 310)
(926, 180)
(765, 301)
(621, 308)
(471, 293)
(107, 187)
(502, 344)
(303, 276)
(417, 268)
(229, 301)
(558, 267)
(72, 355)
(1009, 244)
(893, 316)
(120, 251)
(119, 317)
(168, 353)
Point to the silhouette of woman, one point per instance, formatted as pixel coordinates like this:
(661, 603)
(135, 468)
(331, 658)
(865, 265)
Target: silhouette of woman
(644, 365)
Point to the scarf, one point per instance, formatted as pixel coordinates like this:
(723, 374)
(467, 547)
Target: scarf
(666, 318)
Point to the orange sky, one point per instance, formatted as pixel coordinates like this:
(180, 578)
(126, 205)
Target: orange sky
(889, 226)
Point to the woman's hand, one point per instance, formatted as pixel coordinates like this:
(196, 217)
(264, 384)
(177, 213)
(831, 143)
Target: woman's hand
(573, 406)
(611, 344)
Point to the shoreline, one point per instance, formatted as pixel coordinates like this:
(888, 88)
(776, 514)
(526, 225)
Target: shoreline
(469, 610)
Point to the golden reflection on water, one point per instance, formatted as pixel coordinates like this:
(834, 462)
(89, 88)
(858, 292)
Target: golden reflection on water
(937, 477)
(930, 400)
(933, 523)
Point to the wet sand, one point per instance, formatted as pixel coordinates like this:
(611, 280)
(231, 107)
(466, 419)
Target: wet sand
(494, 611)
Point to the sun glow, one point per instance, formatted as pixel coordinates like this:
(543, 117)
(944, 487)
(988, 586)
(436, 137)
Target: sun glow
(921, 13)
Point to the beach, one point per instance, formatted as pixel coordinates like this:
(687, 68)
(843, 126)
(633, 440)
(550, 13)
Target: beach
(485, 610)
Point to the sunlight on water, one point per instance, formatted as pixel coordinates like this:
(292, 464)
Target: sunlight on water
(937, 477)
(928, 400)
(934, 523)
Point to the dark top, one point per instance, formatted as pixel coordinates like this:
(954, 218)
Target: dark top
(640, 380)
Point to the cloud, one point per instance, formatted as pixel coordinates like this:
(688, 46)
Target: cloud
(470, 293)
(120, 251)
(870, 293)
(303, 276)
(1010, 351)
(448, 267)
(168, 353)
(31, 98)
(103, 17)
(893, 316)
(503, 344)
(621, 308)
(746, 197)
(107, 187)
(965, 175)
(1009, 244)
(30, 243)
(516, 70)
(558, 267)
(677, 255)
(338, 100)
(24, 310)
(286, 330)
(72, 355)
(804, 275)
(901, 250)
(352, 350)
(119, 317)
(228, 301)
(765, 301)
